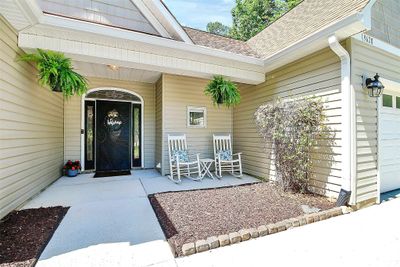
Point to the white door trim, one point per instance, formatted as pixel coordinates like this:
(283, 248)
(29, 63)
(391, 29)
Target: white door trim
(83, 98)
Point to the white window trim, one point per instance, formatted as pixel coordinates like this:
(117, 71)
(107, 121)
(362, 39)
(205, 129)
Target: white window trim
(196, 109)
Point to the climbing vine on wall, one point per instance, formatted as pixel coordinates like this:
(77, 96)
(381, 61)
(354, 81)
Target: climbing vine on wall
(292, 129)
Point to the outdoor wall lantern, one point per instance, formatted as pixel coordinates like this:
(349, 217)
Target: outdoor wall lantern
(374, 86)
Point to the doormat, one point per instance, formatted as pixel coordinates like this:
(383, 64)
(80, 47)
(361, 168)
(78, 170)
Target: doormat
(110, 173)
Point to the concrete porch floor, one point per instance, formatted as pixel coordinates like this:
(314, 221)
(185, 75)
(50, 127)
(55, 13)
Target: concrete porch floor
(110, 221)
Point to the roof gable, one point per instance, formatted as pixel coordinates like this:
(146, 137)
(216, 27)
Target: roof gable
(117, 13)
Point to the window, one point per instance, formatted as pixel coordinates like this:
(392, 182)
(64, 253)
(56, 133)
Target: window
(196, 117)
(387, 101)
(398, 102)
(113, 94)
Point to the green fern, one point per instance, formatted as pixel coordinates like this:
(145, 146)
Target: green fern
(56, 71)
(223, 91)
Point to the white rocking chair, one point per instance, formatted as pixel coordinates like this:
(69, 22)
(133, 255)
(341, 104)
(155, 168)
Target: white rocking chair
(225, 161)
(180, 162)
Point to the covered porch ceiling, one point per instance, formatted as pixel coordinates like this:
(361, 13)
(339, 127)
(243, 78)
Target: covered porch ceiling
(114, 72)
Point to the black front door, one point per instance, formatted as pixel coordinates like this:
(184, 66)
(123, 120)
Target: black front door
(113, 136)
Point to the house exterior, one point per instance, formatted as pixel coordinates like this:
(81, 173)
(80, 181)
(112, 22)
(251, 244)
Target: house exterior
(139, 59)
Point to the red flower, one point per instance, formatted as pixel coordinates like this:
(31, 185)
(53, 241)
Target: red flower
(73, 168)
(65, 167)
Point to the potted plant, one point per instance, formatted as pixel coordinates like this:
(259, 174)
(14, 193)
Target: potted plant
(72, 168)
(223, 92)
(56, 71)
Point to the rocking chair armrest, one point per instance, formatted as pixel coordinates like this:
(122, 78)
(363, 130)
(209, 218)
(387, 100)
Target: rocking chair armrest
(197, 156)
(237, 154)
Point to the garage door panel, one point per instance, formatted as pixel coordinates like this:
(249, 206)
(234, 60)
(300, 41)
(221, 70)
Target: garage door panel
(389, 144)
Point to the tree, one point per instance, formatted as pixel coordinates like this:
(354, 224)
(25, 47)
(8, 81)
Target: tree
(252, 16)
(217, 27)
(292, 3)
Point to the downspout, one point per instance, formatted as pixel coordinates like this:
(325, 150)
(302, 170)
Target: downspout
(345, 191)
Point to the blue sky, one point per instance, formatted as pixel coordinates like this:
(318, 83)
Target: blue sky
(197, 13)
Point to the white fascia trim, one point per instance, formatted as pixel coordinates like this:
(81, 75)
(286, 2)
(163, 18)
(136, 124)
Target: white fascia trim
(31, 10)
(103, 54)
(159, 9)
(347, 122)
(72, 24)
(152, 19)
(321, 34)
(377, 43)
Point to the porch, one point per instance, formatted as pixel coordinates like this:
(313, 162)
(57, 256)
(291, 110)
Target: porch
(110, 220)
(148, 111)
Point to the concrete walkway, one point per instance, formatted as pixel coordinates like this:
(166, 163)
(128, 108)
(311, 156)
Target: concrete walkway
(369, 237)
(110, 221)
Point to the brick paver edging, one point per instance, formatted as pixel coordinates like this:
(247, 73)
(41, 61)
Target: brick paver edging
(263, 230)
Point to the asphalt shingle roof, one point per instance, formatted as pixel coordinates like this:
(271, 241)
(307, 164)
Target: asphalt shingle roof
(207, 39)
(302, 21)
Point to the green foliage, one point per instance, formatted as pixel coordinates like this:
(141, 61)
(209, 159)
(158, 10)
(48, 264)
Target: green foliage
(56, 71)
(223, 91)
(294, 128)
(218, 28)
(291, 4)
(252, 16)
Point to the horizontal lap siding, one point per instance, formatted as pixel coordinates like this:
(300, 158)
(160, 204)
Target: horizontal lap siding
(31, 128)
(367, 60)
(73, 117)
(72, 128)
(179, 92)
(317, 74)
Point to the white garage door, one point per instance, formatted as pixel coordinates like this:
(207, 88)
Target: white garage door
(389, 139)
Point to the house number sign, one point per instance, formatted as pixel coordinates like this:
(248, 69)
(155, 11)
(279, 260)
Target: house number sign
(367, 39)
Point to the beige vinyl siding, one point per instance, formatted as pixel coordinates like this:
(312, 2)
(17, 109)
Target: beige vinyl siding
(72, 128)
(386, 21)
(73, 117)
(31, 128)
(317, 74)
(159, 124)
(179, 92)
(367, 60)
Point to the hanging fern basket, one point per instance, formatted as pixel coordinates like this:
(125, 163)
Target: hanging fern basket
(56, 71)
(223, 92)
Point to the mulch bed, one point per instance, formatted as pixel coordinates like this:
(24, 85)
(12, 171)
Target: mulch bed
(188, 216)
(24, 234)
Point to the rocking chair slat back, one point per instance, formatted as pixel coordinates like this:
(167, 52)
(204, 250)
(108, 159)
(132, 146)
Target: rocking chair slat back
(176, 142)
(222, 142)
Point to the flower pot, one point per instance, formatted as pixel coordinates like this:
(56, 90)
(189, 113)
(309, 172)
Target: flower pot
(72, 173)
(57, 89)
(220, 100)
